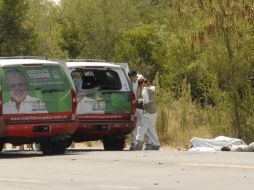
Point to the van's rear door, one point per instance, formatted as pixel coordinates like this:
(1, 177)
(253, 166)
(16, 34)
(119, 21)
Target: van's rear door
(103, 95)
(36, 93)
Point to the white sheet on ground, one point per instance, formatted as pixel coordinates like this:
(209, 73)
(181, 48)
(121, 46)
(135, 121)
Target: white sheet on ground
(201, 144)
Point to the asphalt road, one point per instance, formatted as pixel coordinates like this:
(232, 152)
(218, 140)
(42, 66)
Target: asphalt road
(127, 170)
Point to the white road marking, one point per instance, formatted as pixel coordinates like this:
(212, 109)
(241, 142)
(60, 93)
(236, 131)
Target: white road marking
(19, 180)
(219, 165)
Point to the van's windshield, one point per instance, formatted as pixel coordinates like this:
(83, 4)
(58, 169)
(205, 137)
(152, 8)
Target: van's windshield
(35, 89)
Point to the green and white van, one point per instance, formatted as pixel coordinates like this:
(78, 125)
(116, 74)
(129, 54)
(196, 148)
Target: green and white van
(37, 103)
(106, 103)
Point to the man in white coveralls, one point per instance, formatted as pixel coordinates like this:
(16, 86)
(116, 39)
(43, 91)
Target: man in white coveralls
(134, 78)
(148, 118)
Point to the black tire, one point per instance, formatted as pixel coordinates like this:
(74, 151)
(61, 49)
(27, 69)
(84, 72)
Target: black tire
(36, 146)
(69, 142)
(1, 146)
(114, 144)
(54, 148)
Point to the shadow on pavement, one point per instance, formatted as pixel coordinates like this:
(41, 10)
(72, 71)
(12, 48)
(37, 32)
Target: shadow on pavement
(93, 150)
(84, 150)
(9, 154)
(15, 154)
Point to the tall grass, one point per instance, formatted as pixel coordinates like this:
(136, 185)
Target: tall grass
(179, 120)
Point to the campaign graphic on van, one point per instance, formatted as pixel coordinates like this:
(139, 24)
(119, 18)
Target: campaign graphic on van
(96, 101)
(35, 89)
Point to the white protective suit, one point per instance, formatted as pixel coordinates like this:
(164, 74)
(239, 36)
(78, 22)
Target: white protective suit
(148, 121)
(139, 113)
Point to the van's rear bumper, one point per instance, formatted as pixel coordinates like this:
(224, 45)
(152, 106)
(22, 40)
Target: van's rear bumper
(94, 130)
(45, 129)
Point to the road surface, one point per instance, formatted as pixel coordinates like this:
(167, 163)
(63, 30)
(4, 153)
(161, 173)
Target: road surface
(95, 169)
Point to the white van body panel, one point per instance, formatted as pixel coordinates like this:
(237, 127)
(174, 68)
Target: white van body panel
(91, 64)
(125, 66)
(12, 62)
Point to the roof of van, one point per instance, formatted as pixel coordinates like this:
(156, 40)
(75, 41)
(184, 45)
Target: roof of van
(91, 64)
(8, 62)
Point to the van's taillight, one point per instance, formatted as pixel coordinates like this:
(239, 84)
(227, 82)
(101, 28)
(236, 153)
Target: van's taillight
(133, 103)
(74, 101)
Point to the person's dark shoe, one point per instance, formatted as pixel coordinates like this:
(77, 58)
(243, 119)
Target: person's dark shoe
(132, 146)
(149, 147)
(152, 147)
(138, 145)
(156, 147)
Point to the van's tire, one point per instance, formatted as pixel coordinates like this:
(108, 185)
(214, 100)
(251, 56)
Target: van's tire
(54, 148)
(69, 142)
(36, 146)
(114, 144)
(1, 146)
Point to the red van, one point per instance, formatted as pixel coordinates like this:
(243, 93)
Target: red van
(37, 104)
(106, 103)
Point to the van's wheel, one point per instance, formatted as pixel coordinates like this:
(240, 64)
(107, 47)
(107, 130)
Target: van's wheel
(1, 146)
(114, 144)
(54, 148)
(69, 142)
(36, 146)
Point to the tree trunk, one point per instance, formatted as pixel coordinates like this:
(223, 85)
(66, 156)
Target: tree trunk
(233, 88)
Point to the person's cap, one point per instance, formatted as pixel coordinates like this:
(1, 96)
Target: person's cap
(141, 78)
(132, 73)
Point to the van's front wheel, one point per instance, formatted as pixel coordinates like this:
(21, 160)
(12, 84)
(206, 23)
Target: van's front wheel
(1, 146)
(69, 142)
(114, 144)
(54, 147)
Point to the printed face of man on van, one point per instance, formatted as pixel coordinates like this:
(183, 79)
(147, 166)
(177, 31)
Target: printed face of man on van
(16, 84)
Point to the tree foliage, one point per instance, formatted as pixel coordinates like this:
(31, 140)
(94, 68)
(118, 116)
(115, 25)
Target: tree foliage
(17, 35)
(44, 16)
(213, 49)
(143, 49)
